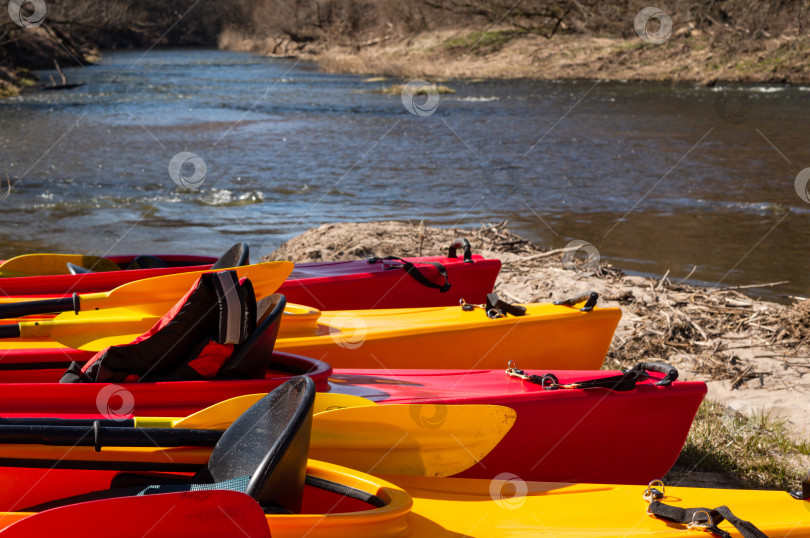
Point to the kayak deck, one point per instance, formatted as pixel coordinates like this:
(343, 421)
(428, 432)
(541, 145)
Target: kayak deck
(407, 506)
(548, 336)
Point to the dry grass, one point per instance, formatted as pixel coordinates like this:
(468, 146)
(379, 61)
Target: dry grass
(756, 452)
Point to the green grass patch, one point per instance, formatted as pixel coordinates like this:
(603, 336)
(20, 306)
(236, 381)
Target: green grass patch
(480, 42)
(757, 452)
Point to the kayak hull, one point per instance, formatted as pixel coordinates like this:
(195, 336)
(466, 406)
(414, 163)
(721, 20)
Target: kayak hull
(352, 285)
(549, 336)
(403, 506)
(557, 434)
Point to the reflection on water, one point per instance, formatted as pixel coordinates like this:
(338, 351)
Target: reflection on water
(656, 177)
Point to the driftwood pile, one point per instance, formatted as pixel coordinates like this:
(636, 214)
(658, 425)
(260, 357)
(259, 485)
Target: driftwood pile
(710, 333)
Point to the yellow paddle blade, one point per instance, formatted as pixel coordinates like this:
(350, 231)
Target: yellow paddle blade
(390, 439)
(220, 415)
(53, 264)
(91, 331)
(265, 277)
(396, 439)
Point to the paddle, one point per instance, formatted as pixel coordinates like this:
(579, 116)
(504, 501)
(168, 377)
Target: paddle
(167, 289)
(53, 264)
(214, 417)
(380, 438)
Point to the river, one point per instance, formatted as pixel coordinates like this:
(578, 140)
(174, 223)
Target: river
(657, 177)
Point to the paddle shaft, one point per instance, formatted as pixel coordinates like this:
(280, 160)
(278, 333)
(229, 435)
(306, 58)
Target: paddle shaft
(53, 421)
(10, 331)
(40, 306)
(106, 436)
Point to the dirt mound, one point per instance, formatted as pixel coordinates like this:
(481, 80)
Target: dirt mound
(339, 242)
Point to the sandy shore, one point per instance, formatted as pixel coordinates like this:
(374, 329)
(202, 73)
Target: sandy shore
(751, 353)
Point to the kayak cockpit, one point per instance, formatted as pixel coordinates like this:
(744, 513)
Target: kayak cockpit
(262, 456)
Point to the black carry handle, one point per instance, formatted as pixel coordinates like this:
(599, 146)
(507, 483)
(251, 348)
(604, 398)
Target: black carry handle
(591, 297)
(497, 307)
(465, 245)
(670, 372)
(414, 273)
(43, 306)
(100, 436)
(804, 493)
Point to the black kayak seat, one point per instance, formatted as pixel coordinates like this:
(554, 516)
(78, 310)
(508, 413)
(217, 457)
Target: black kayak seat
(236, 256)
(146, 261)
(262, 454)
(250, 360)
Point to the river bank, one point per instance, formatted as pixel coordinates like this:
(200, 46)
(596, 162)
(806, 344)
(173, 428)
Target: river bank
(690, 56)
(748, 351)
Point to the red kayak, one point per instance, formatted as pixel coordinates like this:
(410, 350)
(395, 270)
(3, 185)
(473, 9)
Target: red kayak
(562, 434)
(351, 285)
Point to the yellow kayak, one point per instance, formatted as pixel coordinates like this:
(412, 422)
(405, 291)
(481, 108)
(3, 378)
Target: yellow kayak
(425, 507)
(548, 336)
(338, 501)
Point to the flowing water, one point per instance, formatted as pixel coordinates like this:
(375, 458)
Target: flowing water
(656, 177)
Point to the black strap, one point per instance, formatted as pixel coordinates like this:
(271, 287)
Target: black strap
(412, 271)
(623, 382)
(496, 308)
(589, 297)
(708, 518)
(804, 493)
